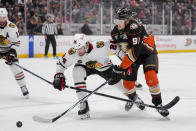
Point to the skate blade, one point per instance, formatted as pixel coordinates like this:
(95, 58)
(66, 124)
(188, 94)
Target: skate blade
(85, 116)
(127, 108)
(26, 96)
(167, 118)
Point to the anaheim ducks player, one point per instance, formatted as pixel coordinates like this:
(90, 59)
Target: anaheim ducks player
(140, 48)
(89, 58)
(8, 37)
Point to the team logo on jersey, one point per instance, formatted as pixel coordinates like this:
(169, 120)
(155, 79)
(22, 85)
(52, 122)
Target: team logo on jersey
(93, 65)
(133, 26)
(3, 40)
(100, 44)
(71, 51)
(11, 25)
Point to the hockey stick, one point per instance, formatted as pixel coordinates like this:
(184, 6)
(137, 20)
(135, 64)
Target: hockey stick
(167, 106)
(32, 73)
(45, 120)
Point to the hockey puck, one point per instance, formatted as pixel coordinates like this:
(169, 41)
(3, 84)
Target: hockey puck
(19, 124)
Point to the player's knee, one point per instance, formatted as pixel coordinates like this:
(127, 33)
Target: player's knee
(151, 78)
(128, 84)
(79, 74)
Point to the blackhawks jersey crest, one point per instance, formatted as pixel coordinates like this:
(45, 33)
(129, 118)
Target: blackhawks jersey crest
(71, 51)
(100, 44)
(3, 40)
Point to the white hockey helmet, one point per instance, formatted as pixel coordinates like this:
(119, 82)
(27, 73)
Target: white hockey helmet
(79, 40)
(3, 12)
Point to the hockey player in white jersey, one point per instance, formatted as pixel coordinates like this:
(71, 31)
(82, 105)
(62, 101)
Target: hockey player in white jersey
(9, 37)
(89, 58)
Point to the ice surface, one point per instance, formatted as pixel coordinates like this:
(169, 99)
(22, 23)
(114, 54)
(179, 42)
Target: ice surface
(177, 76)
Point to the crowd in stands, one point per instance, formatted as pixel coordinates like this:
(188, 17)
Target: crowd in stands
(149, 11)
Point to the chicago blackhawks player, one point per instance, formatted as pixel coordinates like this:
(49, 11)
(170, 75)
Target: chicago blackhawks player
(90, 58)
(140, 48)
(8, 37)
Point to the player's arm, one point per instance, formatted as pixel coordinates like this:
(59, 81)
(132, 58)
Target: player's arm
(13, 34)
(62, 64)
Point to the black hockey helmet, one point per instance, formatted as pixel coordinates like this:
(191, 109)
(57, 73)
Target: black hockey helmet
(124, 14)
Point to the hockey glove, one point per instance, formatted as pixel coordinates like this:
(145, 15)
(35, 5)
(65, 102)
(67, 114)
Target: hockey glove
(117, 74)
(11, 57)
(118, 70)
(59, 81)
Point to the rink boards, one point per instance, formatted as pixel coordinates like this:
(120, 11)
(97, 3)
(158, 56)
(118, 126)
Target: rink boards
(34, 46)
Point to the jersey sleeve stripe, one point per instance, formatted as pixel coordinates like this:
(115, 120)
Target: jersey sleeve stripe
(115, 34)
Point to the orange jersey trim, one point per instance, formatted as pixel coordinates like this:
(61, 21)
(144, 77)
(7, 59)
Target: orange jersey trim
(126, 62)
(149, 40)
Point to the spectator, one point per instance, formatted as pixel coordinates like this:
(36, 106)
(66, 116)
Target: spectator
(59, 29)
(31, 26)
(21, 29)
(149, 11)
(38, 29)
(86, 29)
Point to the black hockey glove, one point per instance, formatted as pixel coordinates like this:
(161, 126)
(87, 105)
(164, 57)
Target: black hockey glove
(11, 57)
(59, 81)
(117, 74)
(118, 70)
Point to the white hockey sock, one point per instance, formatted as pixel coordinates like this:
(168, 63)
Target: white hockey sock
(19, 75)
(81, 94)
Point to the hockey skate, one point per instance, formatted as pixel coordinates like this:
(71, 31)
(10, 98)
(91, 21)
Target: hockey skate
(84, 110)
(163, 112)
(25, 92)
(139, 103)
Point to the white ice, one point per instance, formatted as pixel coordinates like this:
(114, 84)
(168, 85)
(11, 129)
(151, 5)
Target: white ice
(177, 76)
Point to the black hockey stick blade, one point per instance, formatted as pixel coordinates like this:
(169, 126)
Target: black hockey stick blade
(172, 103)
(41, 119)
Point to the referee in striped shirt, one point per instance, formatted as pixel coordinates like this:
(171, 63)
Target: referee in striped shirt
(49, 30)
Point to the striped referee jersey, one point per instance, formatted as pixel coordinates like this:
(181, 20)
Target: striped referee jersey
(49, 28)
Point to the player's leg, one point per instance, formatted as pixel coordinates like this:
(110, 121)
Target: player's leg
(47, 46)
(151, 70)
(132, 95)
(79, 76)
(127, 86)
(53, 41)
(137, 84)
(11, 56)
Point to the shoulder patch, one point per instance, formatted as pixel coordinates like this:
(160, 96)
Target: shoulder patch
(133, 26)
(100, 44)
(11, 25)
(71, 51)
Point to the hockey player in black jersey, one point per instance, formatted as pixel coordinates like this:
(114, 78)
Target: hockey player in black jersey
(140, 48)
